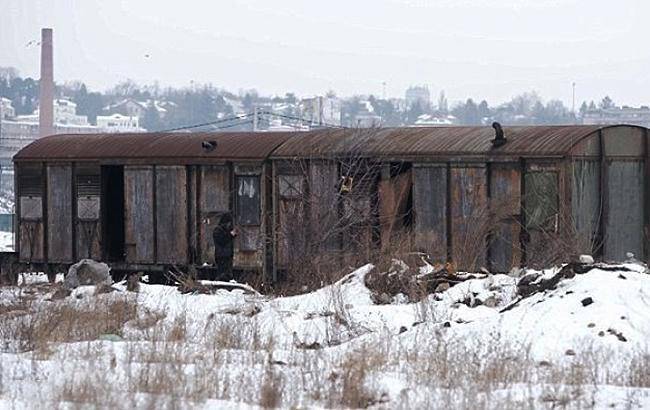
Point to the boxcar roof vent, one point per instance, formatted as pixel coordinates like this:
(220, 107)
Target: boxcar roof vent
(209, 146)
(499, 137)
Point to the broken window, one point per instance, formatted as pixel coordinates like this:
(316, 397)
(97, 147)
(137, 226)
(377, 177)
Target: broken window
(542, 201)
(248, 200)
(291, 186)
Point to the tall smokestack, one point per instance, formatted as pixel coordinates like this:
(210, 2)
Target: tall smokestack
(46, 99)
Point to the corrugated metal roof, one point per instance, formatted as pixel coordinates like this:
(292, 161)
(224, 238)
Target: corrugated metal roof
(406, 142)
(533, 140)
(149, 146)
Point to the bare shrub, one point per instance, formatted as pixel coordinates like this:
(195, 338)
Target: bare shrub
(271, 390)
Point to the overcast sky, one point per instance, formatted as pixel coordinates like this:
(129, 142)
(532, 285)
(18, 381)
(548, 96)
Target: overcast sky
(490, 49)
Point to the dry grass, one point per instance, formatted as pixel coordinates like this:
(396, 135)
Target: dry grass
(176, 361)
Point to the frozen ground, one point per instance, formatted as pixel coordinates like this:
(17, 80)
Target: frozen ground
(478, 344)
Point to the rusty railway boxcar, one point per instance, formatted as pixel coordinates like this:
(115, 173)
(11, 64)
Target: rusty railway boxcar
(142, 201)
(150, 201)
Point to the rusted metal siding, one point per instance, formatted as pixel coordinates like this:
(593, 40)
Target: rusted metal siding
(171, 214)
(585, 204)
(139, 209)
(505, 208)
(443, 141)
(59, 213)
(214, 200)
(153, 146)
(624, 218)
(469, 217)
(430, 210)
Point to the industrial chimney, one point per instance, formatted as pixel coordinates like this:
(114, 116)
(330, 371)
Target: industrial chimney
(46, 99)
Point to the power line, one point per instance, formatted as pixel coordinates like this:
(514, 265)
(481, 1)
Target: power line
(187, 127)
(307, 120)
(247, 115)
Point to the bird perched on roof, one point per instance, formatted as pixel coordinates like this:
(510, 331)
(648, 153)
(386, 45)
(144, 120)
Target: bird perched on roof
(499, 136)
(209, 145)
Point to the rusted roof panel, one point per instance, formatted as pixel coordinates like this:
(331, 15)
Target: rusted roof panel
(151, 146)
(534, 140)
(379, 142)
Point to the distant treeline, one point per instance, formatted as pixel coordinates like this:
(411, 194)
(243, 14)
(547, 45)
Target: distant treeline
(199, 103)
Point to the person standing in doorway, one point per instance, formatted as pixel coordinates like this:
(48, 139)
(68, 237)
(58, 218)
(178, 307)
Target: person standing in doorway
(223, 236)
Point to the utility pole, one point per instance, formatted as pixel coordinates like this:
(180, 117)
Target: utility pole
(255, 118)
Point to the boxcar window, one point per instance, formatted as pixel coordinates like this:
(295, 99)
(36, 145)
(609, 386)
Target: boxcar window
(30, 187)
(541, 200)
(248, 200)
(88, 193)
(291, 186)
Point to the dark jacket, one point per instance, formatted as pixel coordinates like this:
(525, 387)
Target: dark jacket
(223, 238)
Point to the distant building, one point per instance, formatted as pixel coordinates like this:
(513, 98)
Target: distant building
(65, 113)
(15, 134)
(130, 107)
(428, 120)
(418, 95)
(7, 110)
(118, 123)
(277, 125)
(618, 115)
(367, 117)
(18, 131)
(322, 111)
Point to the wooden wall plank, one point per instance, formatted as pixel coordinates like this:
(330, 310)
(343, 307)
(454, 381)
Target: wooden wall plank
(505, 208)
(171, 214)
(585, 204)
(624, 222)
(139, 220)
(214, 199)
(430, 211)
(469, 217)
(59, 213)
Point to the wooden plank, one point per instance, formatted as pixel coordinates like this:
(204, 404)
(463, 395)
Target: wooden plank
(29, 183)
(542, 198)
(325, 230)
(59, 213)
(505, 208)
(624, 223)
(430, 211)
(139, 218)
(214, 199)
(469, 217)
(585, 204)
(171, 214)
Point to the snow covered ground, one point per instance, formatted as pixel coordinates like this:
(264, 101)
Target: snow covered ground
(475, 345)
(6, 241)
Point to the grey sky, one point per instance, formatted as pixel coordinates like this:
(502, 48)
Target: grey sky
(489, 49)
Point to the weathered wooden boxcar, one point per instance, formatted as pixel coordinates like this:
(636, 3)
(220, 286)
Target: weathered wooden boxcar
(546, 194)
(148, 201)
(142, 201)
